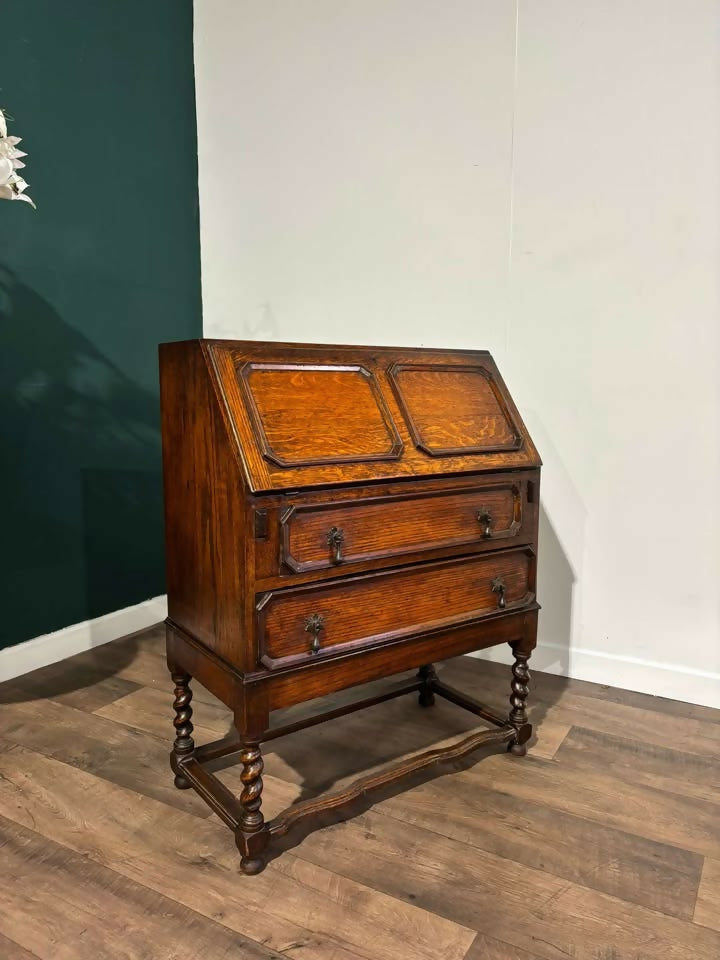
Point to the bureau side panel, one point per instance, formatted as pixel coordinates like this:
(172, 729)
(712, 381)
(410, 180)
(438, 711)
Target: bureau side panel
(205, 514)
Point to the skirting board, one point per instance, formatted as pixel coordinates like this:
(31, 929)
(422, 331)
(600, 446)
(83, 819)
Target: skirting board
(628, 673)
(51, 647)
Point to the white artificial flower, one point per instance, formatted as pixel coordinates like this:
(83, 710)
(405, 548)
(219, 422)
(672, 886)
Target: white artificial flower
(8, 149)
(6, 171)
(12, 185)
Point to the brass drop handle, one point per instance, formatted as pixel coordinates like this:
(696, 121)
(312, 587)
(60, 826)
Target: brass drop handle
(498, 587)
(314, 624)
(485, 517)
(335, 538)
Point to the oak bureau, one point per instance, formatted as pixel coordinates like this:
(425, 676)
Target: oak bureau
(335, 515)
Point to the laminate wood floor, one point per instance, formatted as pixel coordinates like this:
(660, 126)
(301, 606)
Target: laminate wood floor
(602, 844)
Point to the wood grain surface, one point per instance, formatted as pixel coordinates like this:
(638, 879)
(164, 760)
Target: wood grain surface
(391, 603)
(453, 411)
(603, 844)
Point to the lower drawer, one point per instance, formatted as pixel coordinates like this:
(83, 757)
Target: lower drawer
(323, 619)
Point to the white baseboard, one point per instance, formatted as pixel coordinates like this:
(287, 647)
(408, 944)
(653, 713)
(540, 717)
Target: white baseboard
(629, 673)
(51, 647)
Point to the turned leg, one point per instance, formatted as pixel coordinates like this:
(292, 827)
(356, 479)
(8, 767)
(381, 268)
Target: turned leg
(251, 836)
(426, 675)
(518, 715)
(184, 744)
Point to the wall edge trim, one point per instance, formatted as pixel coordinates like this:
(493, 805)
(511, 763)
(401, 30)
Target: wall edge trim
(52, 647)
(673, 681)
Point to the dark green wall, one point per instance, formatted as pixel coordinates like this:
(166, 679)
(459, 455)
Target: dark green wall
(102, 92)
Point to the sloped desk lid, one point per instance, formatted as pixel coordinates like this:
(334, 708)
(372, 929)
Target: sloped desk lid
(307, 415)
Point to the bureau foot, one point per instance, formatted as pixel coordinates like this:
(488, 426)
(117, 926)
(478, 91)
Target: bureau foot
(426, 675)
(518, 714)
(251, 835)
(251, 867)
(518, 749)
(184, 745)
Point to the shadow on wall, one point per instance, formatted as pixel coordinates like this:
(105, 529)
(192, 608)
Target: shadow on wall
(556, 580)
(81, 474)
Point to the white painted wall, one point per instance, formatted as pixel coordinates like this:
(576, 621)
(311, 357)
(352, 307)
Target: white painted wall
(540, 180)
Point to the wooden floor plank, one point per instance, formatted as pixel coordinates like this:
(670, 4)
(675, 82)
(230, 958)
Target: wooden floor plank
(140, 659)
(647, 726)
(592, 854)
(486, 948)
(195, 861)
(597, 795)
(707, 911)
(150, 709)
(151, 639)
(548, 737)
(110, 750)
(61, 906)
(75, 685)
(673, 771)
(139, 665)
(558, 700)
(530, 909)
(9, 950)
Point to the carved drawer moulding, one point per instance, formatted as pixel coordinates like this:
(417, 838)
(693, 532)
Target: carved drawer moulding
(419, 419)
(344, 512)
(311, 421)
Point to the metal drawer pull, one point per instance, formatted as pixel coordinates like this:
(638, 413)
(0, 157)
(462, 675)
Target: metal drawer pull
(335, 538)
(314, 624)
(485, 517)
(498, 587)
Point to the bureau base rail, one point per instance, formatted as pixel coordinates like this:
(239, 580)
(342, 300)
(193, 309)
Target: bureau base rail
(232, 744)
(317, 811)
(281, 824)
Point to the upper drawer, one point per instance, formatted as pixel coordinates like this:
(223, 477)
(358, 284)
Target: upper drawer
(322, 536)
(331, 617)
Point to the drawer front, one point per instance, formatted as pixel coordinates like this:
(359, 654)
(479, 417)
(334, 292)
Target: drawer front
(318, 620)
(322, 536)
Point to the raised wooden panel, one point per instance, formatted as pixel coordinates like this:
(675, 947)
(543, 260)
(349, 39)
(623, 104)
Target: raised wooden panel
(379, 607)
(376, 527)
(454, 410)
(307, 414)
